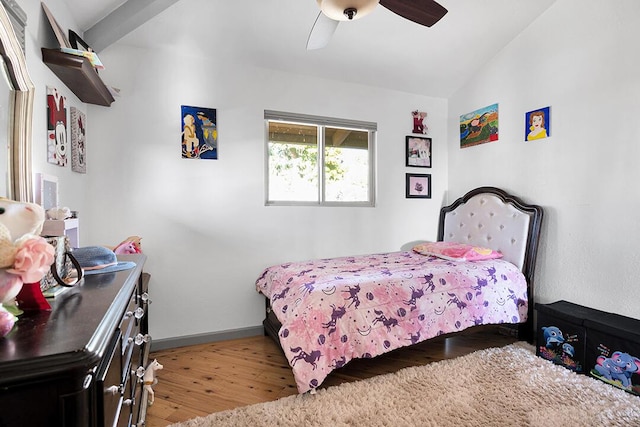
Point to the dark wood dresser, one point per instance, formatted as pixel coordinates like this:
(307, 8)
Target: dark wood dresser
(80, 364)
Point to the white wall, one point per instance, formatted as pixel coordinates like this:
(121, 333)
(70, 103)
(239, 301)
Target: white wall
(204, 225)
(201, 221)
(205, 229)
(72, 186)
(578, 57)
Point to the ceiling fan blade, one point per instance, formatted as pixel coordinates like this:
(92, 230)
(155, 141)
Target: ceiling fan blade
(423, 12)
(321, 32)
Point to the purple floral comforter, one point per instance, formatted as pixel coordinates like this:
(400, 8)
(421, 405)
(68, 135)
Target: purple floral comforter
(335, 310)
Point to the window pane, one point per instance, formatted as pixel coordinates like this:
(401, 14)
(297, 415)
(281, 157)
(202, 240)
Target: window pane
(293, 162)
(346, 165)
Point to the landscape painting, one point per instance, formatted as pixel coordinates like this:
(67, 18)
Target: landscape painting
(479, 126)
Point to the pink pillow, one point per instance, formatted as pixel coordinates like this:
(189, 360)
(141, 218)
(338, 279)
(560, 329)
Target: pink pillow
(456, 251)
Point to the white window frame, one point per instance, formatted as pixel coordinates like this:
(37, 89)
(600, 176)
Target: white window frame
(370, 127)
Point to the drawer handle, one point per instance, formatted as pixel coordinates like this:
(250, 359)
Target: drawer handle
(127, 402)
(145, 298)
(140, 339)
(138, 313)
(139, 373)
(87, 381)
(114, 389)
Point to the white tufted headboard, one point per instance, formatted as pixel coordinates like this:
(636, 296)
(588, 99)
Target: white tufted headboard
(486, 220)
(490, 217)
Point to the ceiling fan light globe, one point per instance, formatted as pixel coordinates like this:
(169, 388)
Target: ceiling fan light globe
(335, 9)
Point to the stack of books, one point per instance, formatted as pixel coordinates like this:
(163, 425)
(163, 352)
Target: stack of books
(92, 56)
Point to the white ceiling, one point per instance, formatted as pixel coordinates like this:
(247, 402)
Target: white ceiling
(381, 49)
(88, 13)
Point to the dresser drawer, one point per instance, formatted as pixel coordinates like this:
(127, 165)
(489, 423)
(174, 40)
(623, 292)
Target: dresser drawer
(130, 329)
(109, 382)
(127, 406)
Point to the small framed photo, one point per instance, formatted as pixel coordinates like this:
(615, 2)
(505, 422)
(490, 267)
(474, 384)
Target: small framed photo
(77, 43)
(418, 149)
(46, 191)
(418, 186)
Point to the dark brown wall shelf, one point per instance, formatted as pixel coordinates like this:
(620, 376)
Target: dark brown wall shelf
(79, 75)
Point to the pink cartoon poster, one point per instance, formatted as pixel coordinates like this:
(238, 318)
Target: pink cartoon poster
(56, 127)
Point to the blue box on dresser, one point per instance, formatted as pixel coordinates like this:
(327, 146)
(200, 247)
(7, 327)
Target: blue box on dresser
(561, 336)
(613, 350)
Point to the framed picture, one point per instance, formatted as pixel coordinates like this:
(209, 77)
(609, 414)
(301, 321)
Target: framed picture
(418, 186)
(418, 149)
(199, 133)
(537, 124)
(77, 43)
(78, 141)
(57, 144)
(418, 122)
(57, 29)
(46, 191)
(479, 126)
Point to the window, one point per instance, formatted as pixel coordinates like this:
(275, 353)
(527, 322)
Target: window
(319, 160)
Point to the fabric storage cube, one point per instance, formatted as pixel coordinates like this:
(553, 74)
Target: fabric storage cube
(613, 350)
(561, 334)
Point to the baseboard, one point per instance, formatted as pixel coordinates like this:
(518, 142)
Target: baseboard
(167, 343)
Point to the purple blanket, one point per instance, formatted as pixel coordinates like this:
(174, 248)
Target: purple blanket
(335, 310)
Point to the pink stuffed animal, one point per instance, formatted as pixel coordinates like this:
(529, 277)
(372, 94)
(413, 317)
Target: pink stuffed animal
(131, 245)
(125, 248)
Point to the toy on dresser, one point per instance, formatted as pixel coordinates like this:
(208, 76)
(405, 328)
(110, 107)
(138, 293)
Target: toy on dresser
(130, 245)
(25, 257)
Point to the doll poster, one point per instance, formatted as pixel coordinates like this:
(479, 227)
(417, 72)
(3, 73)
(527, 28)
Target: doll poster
(199, 133)
(537, 124)
(479, 126)
(57, 144)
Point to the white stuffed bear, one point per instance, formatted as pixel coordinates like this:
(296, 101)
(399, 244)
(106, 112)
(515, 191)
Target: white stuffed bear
(25, 257)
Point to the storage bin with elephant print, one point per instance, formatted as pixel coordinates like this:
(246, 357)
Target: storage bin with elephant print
(613, 350)
(561, 334)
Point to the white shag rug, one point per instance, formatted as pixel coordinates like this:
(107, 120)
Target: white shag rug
(506, 386)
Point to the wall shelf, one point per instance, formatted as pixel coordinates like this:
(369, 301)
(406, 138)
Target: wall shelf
(79, 75)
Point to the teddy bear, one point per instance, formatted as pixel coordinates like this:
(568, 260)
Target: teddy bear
(25, 257)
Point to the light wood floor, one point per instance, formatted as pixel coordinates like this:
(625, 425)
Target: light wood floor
(206, 378)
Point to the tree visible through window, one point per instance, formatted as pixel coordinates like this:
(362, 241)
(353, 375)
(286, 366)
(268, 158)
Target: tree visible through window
(318, 162)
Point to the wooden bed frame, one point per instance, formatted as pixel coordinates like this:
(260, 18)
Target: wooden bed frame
(487, 217)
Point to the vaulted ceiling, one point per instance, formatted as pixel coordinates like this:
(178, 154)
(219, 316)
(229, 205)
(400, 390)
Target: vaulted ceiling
(381, 49)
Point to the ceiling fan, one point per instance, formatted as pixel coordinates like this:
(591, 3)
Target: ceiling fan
(423, 12)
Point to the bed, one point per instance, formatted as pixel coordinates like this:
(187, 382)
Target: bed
(325, 312)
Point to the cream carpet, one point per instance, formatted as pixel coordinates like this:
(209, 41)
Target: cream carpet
(506, 386)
